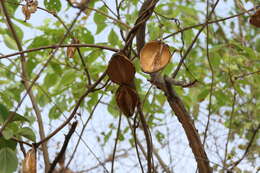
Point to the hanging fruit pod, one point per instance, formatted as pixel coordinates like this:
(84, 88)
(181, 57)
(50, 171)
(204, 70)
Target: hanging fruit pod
(120, 69)
(127, 100)
(255, 19)
(154, 56)
(29, 163)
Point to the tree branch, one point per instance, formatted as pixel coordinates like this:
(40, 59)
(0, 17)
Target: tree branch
(64, 147)
(26, 85)
(185, 119)
(247, 148)
(59, 46)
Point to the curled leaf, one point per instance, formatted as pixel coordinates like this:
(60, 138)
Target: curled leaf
(255, 19)
(127, 100)
(32, 5)
(26, 12)
(71, 50)
(120, 70)
(154, 56)
(29, 163)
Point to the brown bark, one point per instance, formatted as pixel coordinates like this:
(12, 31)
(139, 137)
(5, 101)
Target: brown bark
(184, 118)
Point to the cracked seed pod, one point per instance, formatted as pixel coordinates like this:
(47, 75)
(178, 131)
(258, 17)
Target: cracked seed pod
(255, 19)
(29, 163)
(127, 100)
(154, 56)
(120, 70)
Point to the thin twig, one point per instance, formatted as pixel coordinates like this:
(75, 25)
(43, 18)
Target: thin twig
(82, 132)
(133, 131)
(60, 46)
(189, 128)
(209, 22)
(230, 128)
(148, 139)
(193, 42)
(116, 140)
(64, 147)
(74, 110)
(212, 78)
(246, 74)
(247, 148)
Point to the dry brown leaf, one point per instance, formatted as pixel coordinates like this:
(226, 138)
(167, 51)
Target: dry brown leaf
(127, 100)
(33, 6)
(71, 50)
(154, 56)
(120, 70)
(29, 163)
(26, 12)
(255, 19)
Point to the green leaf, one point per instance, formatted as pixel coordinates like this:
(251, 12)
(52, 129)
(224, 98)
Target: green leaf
(23, 23)
(18, 31)
(8, 133)
(203, 94)
(9, 42)
(257, 45)
(112, 107)
(100, 20)
(160, 136)
(100, 27)
(8, 160)
(19, 117)
(107, 136)
(68, 77)
(3, 113)
(87, 37)
(113, 38)
(7, 143)
(54, 113)
(53, 5)
(12, 7)
(39, 41)
(27, 133)
(50, 80)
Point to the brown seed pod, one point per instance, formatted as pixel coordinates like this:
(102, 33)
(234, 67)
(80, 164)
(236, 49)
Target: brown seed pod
(126, 99)
(29, 163)
(154, 56)
(255, 19)
(120, 70)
